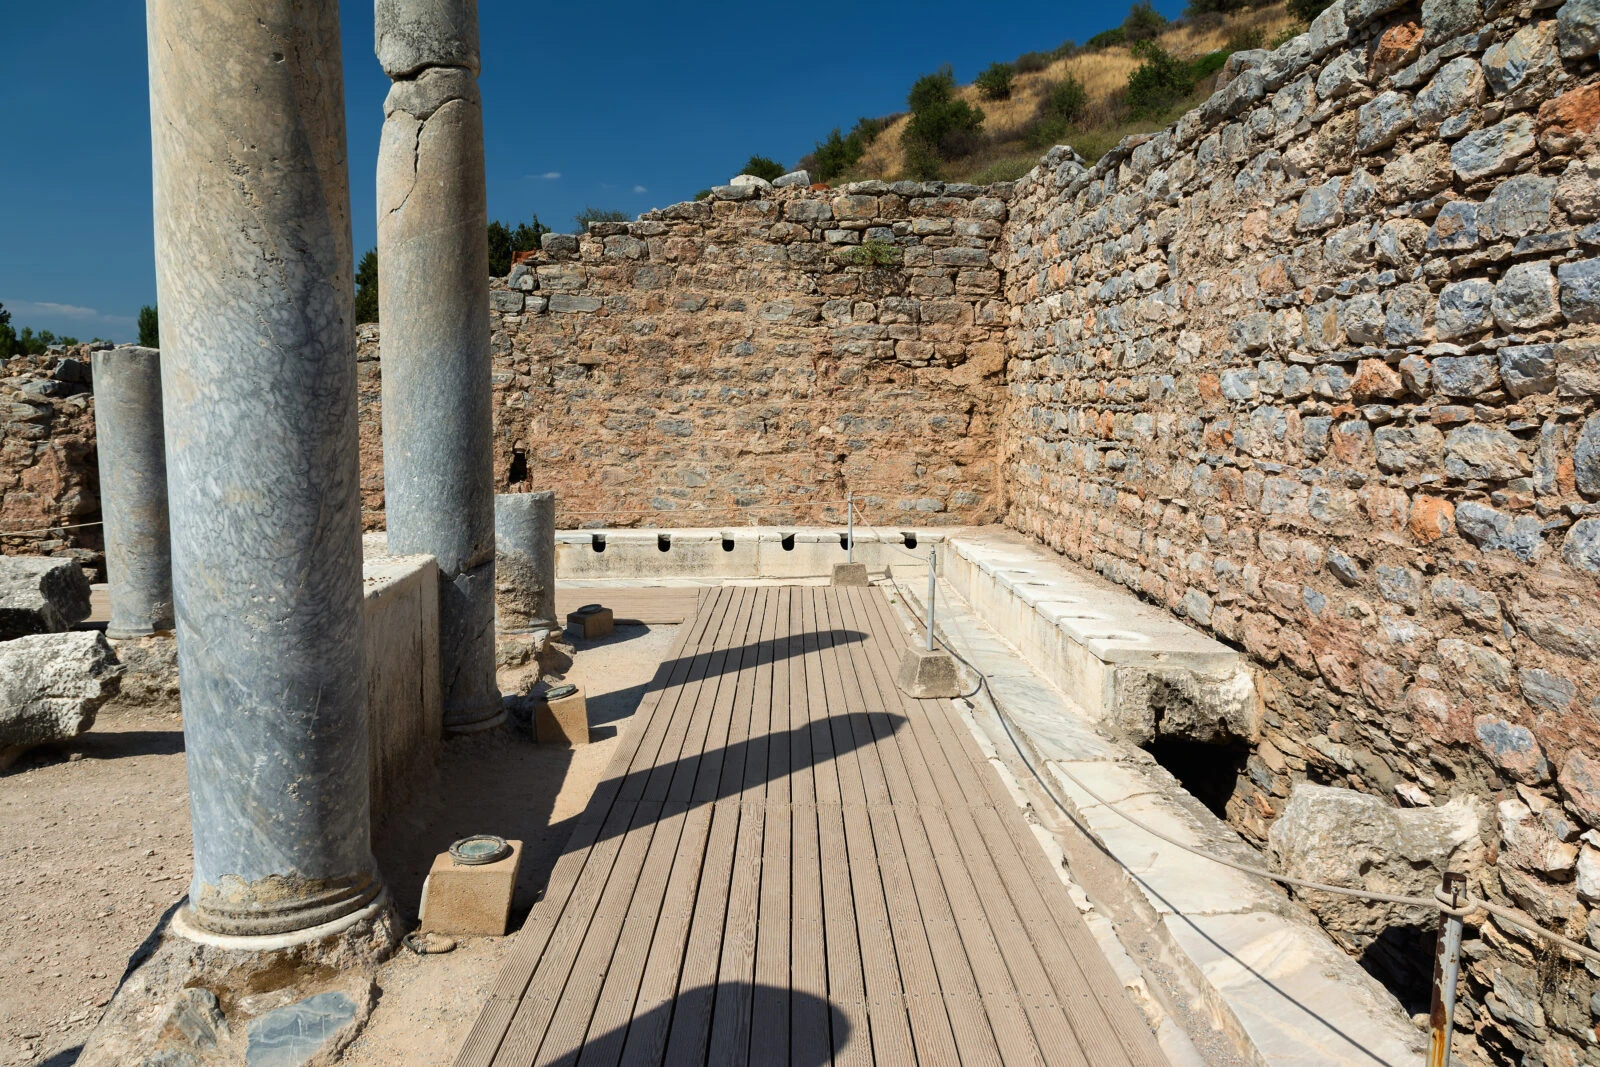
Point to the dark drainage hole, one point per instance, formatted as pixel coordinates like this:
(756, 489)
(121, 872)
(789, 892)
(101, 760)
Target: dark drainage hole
(911, 539)
(844, 541)
(598, 542)
(664, 542)
(727, 544)
(788, 542)
(1209, 772)
(1401, 957)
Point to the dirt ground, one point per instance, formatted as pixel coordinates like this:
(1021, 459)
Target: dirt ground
(94, 846)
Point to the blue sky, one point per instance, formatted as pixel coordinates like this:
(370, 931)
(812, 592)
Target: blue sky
(622, 104)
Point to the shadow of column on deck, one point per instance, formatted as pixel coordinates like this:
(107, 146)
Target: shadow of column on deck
(730, 1022)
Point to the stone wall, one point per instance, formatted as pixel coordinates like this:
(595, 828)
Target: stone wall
(1316, 368)
(764, 347)
(49, 475)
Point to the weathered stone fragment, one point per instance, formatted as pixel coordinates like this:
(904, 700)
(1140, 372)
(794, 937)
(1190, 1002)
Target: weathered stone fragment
(1528, 369)
(1581, 547)
(1578, 25)
(1342, 837)
(1512, 748)
(1580, 786)
(1526, 297)
(1407, 448)
(1493, 150)
(1518, 206)
(1457, 85)
(1464, 308)
(1580, 290)
(1492, 530)
(40, 595)
(52, 685)
(1465, 375)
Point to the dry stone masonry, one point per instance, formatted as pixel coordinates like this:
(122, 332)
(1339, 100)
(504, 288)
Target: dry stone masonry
(764, 347)
(1316, 368)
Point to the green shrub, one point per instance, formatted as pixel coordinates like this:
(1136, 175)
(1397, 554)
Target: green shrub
(922, 161)
(1284, 36)
(1207, 65)
(594, 214)
(1306, 10)
(1066, 48)
(870, 254)
(1143, 23)
(1243, 40)
(1107, 38)
(837, 153)
(1158, 82)
(704, 194)
(504, 242)
(1031, 62)
(1065, 100)
(150, 318)
(943, 125)
(995, 81)
(1216, 7)
(1005, 170)
(762, 167)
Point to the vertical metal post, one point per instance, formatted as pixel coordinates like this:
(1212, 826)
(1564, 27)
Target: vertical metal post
(850, 527)
(1446, 969)
(933, 592)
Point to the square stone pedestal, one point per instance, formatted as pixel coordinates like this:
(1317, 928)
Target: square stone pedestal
(592, 625)
(468, 899)
(924, 674)
(848, 574)
(565, 719)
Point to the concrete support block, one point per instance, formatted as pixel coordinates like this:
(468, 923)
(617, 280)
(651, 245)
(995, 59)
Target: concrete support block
(470, 899)
(133, 489)
(254, 274)
(525, 561)
(562, 718)
(592, 621)
(926, 674)
(404, 695)
(850, 574)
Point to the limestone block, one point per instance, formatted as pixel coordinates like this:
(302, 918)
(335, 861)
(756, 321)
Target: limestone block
(850, 574)
(924, 674)
(562, 717)
(52, 685)
(592, 621)
(1342, 837)
(470, 899)
(413, 34)
(40, 595)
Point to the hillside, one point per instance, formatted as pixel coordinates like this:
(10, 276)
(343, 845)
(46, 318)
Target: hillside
(1018, 128)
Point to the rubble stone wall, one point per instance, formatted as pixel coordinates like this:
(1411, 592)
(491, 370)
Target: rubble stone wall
(1316, 369)
(49, 474)
(769, 348)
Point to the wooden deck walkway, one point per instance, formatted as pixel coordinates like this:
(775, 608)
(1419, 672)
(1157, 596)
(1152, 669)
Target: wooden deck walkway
(790, 862)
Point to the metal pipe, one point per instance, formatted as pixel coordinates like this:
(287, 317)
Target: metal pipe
(850, 521)
(933, 591)
(1446, 970)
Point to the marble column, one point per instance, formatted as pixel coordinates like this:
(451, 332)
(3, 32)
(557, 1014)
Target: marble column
(525, 563)
(433, 271)
(133, 489)
(258, 378)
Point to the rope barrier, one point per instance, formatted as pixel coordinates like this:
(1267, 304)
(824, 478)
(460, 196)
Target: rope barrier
(48, 529)
(1470, 905)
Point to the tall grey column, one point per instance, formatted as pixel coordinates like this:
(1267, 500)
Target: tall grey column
(525, 563)
(433, 286)
(258, 375)
(133, 489)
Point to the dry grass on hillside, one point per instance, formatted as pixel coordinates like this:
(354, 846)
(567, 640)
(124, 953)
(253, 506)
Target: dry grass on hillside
(1104, 74)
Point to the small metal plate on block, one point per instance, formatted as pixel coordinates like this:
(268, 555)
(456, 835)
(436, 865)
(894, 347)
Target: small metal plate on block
(561, 691)
(479, 849)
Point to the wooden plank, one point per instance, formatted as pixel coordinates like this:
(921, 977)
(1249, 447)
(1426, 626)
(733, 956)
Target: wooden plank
(540, 999)
(691, 1013)
(633, 888)
(675, 772)
(769, 1038)
(665, 688)
(936, 860)
(652, 1014)
(1046, 1014)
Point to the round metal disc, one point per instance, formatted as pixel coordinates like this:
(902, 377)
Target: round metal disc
(590, 609)
(480, 848)
(561, 691)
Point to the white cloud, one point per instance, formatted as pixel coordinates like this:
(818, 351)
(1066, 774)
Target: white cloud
(640, 189)
(547, 176)
(53, 315)
(45, 307)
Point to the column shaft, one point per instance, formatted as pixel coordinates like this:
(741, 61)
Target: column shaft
(258, 377)
(133, 489)
(525, 551)
(433, 270)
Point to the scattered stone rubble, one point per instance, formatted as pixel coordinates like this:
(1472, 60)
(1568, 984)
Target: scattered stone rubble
(39, 595)
(52, 685)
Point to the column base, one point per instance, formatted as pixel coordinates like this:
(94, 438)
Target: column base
(185, 926)
(474, 720)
